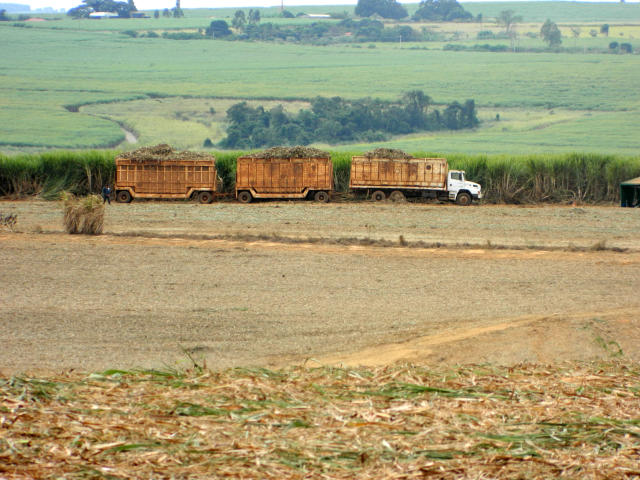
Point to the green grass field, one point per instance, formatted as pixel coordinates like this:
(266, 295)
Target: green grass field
(163, 90)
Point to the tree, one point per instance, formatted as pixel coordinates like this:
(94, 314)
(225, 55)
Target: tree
(123, 9)
(3, 16)
(384, 8)
(218, 28)
(508, 19)
(156, 14)
(239, 20)
(551, 33)
(166, 13)
(604, 29)
(416, 105)
(626, 48)
(254, 16)
(441, 11)
(576, 31)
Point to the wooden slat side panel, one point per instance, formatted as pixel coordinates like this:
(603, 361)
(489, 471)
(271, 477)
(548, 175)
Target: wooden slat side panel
(174, 178)
(384, 173)
(283, 175)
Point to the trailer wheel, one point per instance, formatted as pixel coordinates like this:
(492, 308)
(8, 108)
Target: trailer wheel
(321, 197)
(463, 199)
(123, 196)
(378, 196)
(397, 196)
(205, 197)
(245, 197)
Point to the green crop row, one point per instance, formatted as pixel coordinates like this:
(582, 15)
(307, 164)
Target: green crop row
(584, 178)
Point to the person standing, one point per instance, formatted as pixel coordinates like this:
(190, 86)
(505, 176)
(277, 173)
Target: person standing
(106, 194)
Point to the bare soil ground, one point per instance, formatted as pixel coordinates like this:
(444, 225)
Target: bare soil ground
(178, 283)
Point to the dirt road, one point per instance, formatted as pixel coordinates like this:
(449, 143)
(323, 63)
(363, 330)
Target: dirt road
(152, 293)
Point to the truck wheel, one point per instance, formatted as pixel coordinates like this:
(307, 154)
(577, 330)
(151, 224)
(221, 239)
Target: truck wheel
(463, 199)
(378, 196)
(397, 196)
(321, 197)
(123, 196)
(245, 197)
(205, 197)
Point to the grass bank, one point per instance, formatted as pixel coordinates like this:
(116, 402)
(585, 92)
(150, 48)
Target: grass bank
(553, 178)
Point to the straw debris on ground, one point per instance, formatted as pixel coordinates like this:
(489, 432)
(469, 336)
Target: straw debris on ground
(83, 215)
(162, 153)
(402, 422)
(8, 221)
(290, 152)
(388, 153)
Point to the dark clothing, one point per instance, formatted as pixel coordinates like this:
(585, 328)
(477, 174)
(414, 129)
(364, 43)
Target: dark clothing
(106, 195)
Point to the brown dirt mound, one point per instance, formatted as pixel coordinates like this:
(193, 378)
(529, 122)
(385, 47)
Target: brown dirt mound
(291, 152)
(162, 153)
(389, 153)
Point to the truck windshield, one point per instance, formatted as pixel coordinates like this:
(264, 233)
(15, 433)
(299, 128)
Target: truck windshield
(456, 176)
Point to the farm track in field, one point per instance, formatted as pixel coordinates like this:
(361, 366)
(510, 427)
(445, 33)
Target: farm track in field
(225, 285)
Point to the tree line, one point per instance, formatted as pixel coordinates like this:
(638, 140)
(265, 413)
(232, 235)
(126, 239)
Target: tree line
(430, 10)
(339, 120)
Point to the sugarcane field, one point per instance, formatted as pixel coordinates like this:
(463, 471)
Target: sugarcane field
(391, 320)
(275, 240)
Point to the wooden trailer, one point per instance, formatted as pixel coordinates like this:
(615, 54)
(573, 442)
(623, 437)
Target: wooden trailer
(167, 178)
(284, 178)
(382, 176)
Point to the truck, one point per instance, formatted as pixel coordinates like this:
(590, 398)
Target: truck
(398, 178)
(285, 173)
(160, 173)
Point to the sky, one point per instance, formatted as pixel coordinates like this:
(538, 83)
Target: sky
(161, 4)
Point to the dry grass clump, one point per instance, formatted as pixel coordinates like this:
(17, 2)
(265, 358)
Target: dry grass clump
(291, 152)
(389, 153)
(162, 153)
(83, 215)
(530, 421)
(8, 221)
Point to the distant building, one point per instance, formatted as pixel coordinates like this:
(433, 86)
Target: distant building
(99, 15)
(317, 15)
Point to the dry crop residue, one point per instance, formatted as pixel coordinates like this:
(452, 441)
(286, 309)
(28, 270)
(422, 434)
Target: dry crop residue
(572, 421)
(290, 152)
(162, 153)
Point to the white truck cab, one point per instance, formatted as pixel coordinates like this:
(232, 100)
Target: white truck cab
(461, 191)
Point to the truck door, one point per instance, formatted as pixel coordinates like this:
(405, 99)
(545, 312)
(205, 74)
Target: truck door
(455, 182)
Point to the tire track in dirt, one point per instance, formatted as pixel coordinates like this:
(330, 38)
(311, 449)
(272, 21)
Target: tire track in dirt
(450, 251)
(419, 348)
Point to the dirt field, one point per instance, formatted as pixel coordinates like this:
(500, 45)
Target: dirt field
(169, 281)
